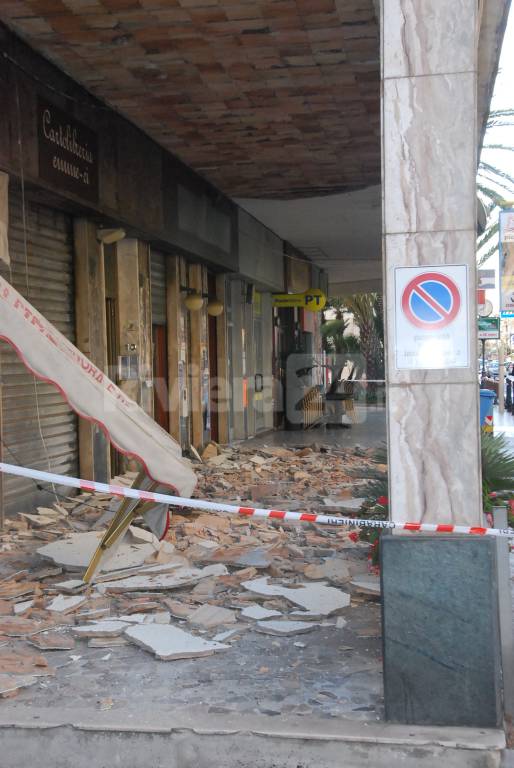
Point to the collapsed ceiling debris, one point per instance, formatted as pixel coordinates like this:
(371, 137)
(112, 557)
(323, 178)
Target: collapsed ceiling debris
(211, 580)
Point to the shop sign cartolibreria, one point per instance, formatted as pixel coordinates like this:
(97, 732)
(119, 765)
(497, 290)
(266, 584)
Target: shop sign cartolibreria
(68, 152)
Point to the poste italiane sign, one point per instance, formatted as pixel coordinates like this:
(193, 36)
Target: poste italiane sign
(314, 300)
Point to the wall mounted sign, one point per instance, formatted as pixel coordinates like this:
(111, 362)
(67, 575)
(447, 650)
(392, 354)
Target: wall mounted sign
(128, 367)
(506, 224)
(485, 309)
(314, 300)
(431, 317)
(487, 279)
(488, 327)
(68, 152)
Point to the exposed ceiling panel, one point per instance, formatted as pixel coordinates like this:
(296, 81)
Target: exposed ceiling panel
(340, 233)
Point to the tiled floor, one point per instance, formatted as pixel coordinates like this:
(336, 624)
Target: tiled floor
(368, 429)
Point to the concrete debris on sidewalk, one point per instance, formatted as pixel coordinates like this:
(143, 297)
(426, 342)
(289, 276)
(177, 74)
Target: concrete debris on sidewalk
(221, 577)
(52, 641)
(170, 643)
(208, 616)
(106, 628)
(75, 552)
(285, 628)
(316, 599)
(367, 584)
(258, 612)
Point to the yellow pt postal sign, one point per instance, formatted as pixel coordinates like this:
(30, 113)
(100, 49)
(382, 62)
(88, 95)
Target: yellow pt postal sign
(314, 300)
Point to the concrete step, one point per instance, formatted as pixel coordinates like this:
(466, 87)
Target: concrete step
(195, 738)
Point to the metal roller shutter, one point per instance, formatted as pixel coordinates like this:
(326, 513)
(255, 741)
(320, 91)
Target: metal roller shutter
(158, 287)
(38, 428)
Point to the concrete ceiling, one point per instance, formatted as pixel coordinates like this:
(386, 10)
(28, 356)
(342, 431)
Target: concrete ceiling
(340, 233)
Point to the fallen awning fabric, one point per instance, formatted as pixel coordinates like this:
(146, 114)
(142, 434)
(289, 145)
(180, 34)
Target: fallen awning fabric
(91, 394)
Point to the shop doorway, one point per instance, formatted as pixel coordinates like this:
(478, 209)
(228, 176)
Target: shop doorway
(160, 375)
(159, 339)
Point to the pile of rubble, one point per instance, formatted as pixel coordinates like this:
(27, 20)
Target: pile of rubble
(214, 578)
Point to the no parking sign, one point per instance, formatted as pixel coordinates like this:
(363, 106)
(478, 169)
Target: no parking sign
(431, 317)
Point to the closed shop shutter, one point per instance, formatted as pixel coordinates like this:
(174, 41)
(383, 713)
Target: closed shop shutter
(158, 287)
(38, 427)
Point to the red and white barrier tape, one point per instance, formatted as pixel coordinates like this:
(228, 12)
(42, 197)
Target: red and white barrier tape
(270, 514)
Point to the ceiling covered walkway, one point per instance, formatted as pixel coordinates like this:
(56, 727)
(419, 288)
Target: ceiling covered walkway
(276, 102)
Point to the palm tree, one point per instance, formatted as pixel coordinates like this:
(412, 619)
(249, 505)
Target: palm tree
(336, 340)
(337, 343)
(368, 313)
(495, 186)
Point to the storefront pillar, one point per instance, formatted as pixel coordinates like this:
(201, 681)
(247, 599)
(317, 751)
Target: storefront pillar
(90, 320)
(198, 367)
(134, 321)
(145, 326)
(238, 361)
(223, 383)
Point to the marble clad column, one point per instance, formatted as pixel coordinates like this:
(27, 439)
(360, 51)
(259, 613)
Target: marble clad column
(429, 148)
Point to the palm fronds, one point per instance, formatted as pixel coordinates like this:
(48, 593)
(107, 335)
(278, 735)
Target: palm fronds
(494, 184)
(497, 463)
(489, 233)
(481, 260)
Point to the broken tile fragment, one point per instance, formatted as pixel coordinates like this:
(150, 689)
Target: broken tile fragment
(13, 589)
(70, 586)
(334, 569)
(22, 662)
(10, 685)
(208, 616)
(52, 641)
(108, 628)
(222, 636)
(177, 609)
(106, 642)
(242, 555)
(285, 628)
(92, 615)
(75, 552)
(258, 612)
(16, 626)
(367, 584)
(19, 609)
(159, 617)
(180, 577)
(316, 599)
(169, 643)
(209, 452)
(38, 521)
(64, 605)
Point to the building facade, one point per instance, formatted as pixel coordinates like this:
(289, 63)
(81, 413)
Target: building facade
(112, 239)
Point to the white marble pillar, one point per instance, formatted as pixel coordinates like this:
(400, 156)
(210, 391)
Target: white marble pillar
(429, 149)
